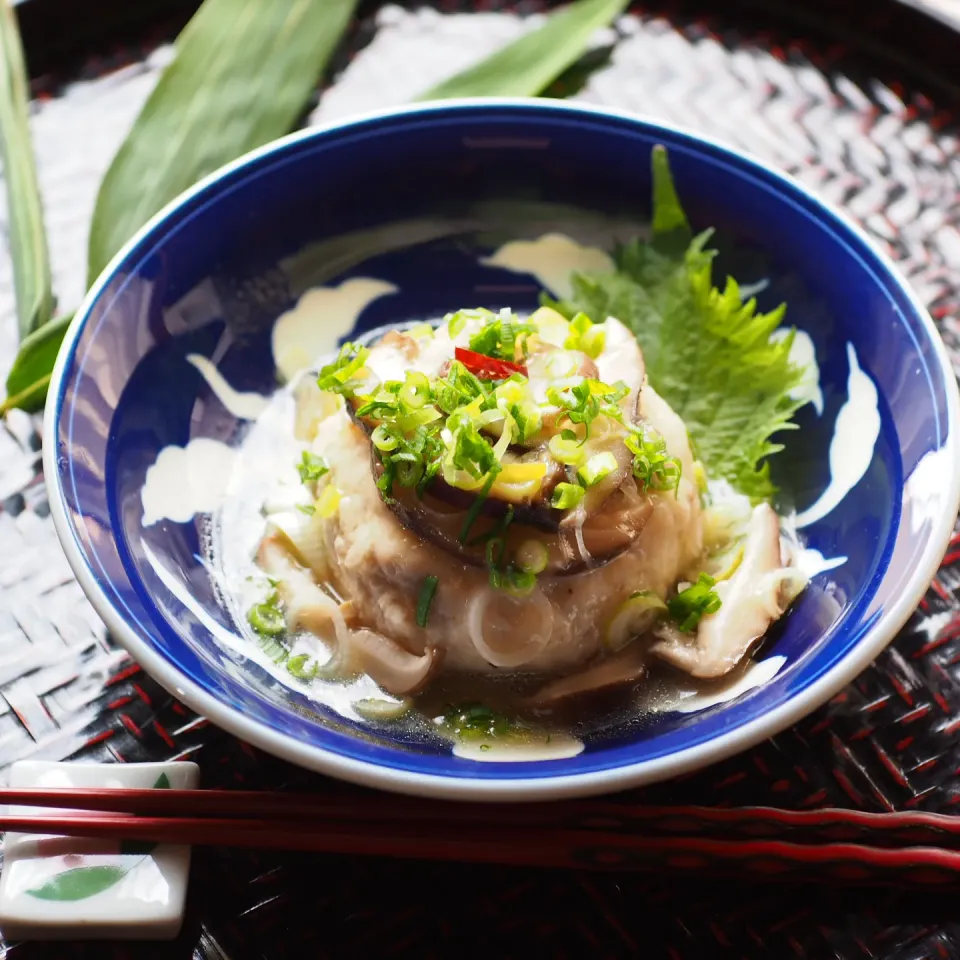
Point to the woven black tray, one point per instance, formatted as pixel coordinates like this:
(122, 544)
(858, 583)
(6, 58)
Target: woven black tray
(862, 102)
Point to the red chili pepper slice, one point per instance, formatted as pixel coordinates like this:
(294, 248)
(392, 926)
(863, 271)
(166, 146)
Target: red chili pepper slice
(487, 368)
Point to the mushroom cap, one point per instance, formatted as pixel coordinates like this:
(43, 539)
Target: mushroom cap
(606, 522)
(397, 670)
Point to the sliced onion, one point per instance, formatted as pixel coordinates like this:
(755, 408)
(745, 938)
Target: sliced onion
(506, 435)
(377, 709)
(305, 537)
(731, 564)
(633, 618)
(533, 556)
(526, 621)
(725, 520)
(585, 554)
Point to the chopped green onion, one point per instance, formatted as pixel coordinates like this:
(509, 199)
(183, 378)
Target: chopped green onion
(497, 530)
(653, 467)
(337, 377)
(476, 721)
(566, 496)
(510, 390)
(415, 391)
(457, 321)
(471, 452)
(409, 421)
(528, 419)
(579, 325)
(700, 477)
(592, 341)
(383, 440)
(633, 618)
(493, 556)
(273, 649)
(696, 601)
(600, 465)
(532, 556)
(297, 667)
(267, 617)
(371, 708)
(519, 582)
(409, 472)
(582, 332)
(427, 590)
(308, 508)
(311, 467)
(585, 401)
(500, 335)
(566, 450)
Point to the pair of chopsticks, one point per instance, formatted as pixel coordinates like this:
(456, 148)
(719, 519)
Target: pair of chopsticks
(816, 845)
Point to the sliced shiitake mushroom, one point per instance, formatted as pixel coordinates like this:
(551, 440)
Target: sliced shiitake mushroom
(751, 602)
(396, 669)
(626, 667)
(604, 524)
(536, 512)
(604, 535)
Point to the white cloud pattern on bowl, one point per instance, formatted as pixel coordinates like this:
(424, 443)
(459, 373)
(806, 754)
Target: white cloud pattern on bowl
(552, 259)
(855, 434)
(244, 406)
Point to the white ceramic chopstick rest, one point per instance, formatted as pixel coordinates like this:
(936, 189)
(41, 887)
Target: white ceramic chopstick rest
(54, 888)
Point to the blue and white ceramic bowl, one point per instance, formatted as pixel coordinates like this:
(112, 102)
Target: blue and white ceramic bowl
(416, 199)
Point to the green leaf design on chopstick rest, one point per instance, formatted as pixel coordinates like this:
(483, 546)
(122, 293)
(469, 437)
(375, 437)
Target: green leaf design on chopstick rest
(529, 65)
(242, 75)
(28, 242)
(79, 883)
(29, 377)
(145, 846)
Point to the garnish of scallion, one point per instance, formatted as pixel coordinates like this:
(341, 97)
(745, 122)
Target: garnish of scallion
(427, 590)
(471, 518)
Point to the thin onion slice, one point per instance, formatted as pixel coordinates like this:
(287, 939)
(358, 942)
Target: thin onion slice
(527, 622)
(634, 617)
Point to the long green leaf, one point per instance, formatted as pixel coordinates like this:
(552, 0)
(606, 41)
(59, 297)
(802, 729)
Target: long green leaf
(242, 76)
(529, 65)
(30, 375)
(28, 242)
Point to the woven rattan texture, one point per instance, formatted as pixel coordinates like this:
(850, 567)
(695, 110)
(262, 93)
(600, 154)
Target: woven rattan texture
(860, 133)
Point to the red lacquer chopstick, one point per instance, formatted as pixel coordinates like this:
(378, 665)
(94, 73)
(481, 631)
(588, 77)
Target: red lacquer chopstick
(843, 845)
(773, 859)
(611, 816)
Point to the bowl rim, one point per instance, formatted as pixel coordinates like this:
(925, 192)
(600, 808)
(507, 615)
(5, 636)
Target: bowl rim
(365, 773)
